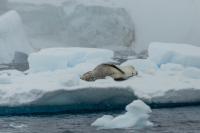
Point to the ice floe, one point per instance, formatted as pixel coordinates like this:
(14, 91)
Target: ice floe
(136, 116)
(58, 84)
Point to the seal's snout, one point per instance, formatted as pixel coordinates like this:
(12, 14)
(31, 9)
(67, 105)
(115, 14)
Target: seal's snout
(129, 71)
(81, 77)
(136, 73)
(88, 76)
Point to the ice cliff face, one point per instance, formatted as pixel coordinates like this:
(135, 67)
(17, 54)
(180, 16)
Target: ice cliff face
(98, 23)
(76, 24)
(98, 26)
(116, 25)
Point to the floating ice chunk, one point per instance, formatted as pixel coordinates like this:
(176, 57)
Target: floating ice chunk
(186, 55)
(62, 58)
(17, 125)
(143, 65)
(103, 121)
(136, 117)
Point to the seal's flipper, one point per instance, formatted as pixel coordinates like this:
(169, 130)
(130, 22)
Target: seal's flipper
(119, 79)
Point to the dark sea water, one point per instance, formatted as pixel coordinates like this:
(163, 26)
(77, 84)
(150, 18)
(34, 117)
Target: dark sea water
(171, 120)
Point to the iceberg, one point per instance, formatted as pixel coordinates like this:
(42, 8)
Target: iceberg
(151, 21)
(136, 117)
(72, 23)
(12, 37)
(53, 82)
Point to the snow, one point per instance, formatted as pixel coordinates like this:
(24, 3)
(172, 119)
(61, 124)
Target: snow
(143, 65)
(170, 75)
(171, 67)
(12, 37)
(192, 72)
(183, 54)
(54, 79)
(63, 58)
(136, 117)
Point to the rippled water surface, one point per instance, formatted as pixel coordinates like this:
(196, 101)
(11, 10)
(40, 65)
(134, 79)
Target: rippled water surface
(176, 120)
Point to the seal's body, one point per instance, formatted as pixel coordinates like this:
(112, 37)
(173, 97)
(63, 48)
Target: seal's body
(104, 70)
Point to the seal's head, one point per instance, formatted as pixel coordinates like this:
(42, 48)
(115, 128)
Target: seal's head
(129, 71)
(88, 76)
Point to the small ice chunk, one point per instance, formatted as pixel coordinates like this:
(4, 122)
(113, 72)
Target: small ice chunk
(17, 125)
(136, 117)
(103, 121)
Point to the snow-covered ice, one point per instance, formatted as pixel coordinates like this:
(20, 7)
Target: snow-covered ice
(170, 75)
(59, 83)
(183, 54)
(136, 116)
(12, 37)
(62, 58)
(142, 65)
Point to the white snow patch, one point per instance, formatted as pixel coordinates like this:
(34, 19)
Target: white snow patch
(171, 67)
(142, 65)
(136, 117)
(165, 84)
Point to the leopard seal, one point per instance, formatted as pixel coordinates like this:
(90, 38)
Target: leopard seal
(103, 70)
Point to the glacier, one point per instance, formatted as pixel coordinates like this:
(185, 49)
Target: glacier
(58, 88)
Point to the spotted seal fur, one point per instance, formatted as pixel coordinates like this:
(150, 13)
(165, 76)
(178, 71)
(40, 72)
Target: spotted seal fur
(111, 70)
